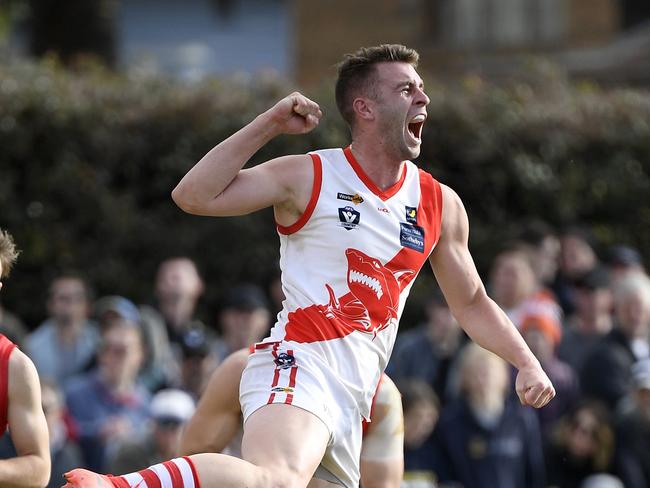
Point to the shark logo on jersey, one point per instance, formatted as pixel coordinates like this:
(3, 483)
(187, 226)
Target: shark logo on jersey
(371, 305)
(349, 218)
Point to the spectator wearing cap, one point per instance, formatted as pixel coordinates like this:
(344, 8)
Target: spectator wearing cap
(244, 319)
(606, 374)
(543, 334)
(107, 404)
(602, 480)
(623, 260)
(197, 362)
(170, 410)
(429, 351)
(633, 431)
(592, 319)
(159, 367)
(65, 343)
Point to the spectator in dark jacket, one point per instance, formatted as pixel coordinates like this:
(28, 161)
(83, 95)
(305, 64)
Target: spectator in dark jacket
(633, 431)
(482, 440)
(582, 445)
(606, 372)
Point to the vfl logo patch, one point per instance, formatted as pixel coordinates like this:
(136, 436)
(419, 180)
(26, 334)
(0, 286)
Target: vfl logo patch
(411, 214)
(412, 236)
(356, 198)
(282, 389)
(349, 218)
(284, 361)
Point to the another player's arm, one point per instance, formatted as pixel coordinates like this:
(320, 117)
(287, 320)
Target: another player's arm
(217, 418)
(31, 467)
(382, 450)
(218, 186)
(479, 316)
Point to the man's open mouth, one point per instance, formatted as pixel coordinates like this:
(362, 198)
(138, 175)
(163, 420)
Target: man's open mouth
(415, 126)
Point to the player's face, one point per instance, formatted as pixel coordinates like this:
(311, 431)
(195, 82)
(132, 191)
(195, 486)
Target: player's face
(401, 108)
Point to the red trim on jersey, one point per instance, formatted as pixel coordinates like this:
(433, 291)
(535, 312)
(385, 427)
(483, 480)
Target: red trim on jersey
(264, 345)
(315, 192)
(383, 194)
(150, 477)
(6, 348)
(174, 473)
(195, 473)
(431, 207)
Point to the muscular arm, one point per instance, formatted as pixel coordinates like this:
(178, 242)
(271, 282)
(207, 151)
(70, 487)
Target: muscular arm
(218, 186)
(217, 417)
(479, 316)
(31, 467)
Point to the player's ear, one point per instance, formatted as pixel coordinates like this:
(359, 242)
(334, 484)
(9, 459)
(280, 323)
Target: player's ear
(364, 108)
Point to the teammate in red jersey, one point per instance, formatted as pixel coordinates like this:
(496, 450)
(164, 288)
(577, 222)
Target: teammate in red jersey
(20, 403)
(355, 225)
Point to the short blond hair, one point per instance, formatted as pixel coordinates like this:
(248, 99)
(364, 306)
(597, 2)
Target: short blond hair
(8, 252)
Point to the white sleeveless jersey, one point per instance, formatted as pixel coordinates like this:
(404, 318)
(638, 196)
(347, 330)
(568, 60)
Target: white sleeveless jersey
(348, 264)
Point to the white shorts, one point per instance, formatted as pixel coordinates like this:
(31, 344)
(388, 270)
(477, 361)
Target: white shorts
(287, 372)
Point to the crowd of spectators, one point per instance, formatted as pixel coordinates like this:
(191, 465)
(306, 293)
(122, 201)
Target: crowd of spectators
(585, 314)
(120, 378)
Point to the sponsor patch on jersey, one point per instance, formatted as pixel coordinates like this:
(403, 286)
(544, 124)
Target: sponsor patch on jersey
(349, 218)
(411, 214)
(356, 198)
(282, 389)
(284, 361)
(412, 236)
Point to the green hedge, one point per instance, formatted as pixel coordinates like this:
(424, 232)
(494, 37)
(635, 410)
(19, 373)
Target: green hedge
(89, 159)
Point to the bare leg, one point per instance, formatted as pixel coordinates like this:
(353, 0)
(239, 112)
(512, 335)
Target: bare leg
(282, 446)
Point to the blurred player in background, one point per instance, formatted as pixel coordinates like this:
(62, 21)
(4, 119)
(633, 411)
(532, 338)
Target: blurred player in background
(20, 403)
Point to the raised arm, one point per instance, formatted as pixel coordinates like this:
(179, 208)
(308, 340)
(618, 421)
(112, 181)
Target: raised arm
(31, 467)
(218, 415)
(218, 186)
(479, 315)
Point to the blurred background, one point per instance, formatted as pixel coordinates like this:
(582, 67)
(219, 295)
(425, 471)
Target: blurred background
(539, 119)
(539, 109)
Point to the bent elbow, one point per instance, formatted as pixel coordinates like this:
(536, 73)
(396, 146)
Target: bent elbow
(181, 198)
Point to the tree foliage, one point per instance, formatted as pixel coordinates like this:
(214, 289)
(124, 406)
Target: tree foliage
(89, 159)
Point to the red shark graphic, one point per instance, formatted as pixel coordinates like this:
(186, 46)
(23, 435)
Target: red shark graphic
(373, 300)
(370, 307)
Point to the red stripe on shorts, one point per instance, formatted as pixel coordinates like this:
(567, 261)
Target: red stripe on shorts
(276, 376)
(292, 382)
(174, 473)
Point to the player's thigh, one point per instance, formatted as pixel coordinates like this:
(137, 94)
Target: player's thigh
(285, 438)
